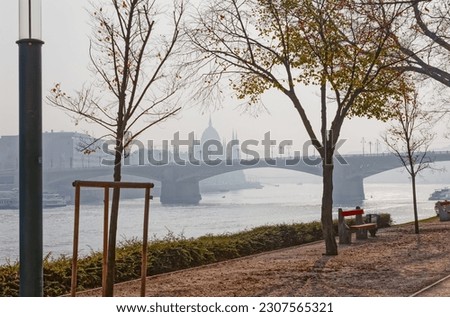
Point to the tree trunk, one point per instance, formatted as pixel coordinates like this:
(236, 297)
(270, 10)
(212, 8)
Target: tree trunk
(327, 209)
(416, 217)
(112, 236)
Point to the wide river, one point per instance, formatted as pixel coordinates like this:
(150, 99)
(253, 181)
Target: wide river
(217, 213)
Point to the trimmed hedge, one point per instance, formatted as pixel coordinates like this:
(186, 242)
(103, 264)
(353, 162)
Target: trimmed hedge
(166, 255)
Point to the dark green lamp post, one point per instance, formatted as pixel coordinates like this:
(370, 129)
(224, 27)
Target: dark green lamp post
(30, 148)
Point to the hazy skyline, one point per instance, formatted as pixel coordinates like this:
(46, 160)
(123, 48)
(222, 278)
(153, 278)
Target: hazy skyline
(65, 59)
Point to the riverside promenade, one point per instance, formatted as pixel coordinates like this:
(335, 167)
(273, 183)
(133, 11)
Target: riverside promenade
(396, 263)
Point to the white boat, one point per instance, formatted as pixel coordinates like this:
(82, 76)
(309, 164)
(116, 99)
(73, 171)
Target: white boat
(5, 203)
(10, 200)
(6, 199)
(52, 200)
(440, 194)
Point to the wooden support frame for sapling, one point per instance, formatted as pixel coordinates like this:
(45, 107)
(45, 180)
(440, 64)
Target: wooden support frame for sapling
(78, 184)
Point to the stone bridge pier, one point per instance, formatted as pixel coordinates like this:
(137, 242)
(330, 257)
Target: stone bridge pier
(347, 188)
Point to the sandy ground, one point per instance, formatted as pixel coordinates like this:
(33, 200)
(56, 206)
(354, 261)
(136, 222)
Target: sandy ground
(395, 263)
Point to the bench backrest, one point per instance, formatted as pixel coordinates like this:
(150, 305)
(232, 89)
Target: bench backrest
(354, 212)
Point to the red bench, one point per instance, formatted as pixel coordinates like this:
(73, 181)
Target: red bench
(360, 227)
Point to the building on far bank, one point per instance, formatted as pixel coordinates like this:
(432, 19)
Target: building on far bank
(60, 150)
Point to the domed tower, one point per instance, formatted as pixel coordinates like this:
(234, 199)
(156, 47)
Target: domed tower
(210, 142)
(235, 180)
(235, 154)
(210, 133)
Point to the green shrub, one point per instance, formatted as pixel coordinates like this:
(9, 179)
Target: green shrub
(9, 279)
(385, 220)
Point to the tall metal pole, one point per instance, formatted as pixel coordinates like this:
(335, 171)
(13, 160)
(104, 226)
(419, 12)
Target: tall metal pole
(363, 141)
(30, 154)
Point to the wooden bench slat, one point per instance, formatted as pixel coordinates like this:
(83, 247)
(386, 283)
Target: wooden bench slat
(364, 226)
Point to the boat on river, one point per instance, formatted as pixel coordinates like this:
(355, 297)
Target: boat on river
(10, 200)
(440, 194)
(53, 200)
(6, 199)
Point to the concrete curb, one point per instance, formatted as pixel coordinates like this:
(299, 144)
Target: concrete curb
(429, 289)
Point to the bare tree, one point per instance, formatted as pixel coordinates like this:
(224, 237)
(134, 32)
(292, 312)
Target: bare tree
(409, 138)
(135, 83)
(258, 45)
(422, 35)
(427, 43)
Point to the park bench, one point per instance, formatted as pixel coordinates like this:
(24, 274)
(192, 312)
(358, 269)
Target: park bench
(443, 210)
(360, 227)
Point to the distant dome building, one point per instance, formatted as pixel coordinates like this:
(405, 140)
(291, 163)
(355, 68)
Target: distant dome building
(210, 134)
(210, 141)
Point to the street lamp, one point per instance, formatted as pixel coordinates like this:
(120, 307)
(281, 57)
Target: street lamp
(30, 148)
(30, 21)
(363, 141)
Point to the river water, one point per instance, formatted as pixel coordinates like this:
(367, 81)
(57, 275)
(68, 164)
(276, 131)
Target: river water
(217, 213)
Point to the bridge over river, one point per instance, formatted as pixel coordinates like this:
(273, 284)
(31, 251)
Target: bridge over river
(180, 181)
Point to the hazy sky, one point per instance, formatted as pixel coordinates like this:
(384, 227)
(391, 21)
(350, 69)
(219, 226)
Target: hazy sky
(65, 60)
